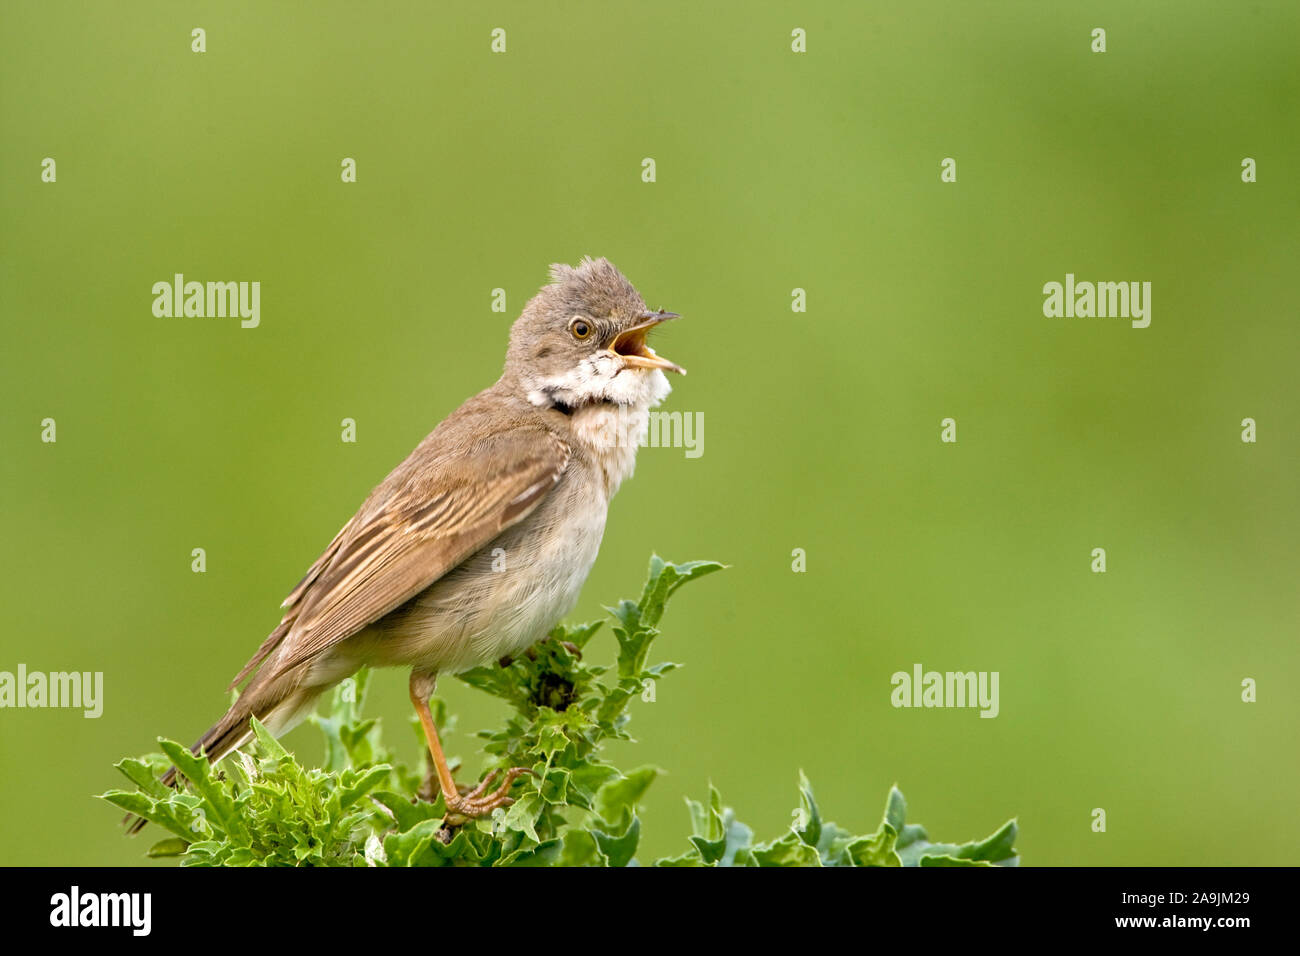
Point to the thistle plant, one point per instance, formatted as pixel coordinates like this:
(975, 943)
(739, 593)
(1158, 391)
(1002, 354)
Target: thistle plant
(364, 807)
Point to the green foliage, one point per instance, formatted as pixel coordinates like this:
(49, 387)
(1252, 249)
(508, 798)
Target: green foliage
(364, 808)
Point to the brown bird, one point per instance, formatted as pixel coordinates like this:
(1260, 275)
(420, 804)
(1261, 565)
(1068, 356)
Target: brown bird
(478, 543)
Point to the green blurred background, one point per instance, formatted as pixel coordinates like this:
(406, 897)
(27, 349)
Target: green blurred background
(775, 170)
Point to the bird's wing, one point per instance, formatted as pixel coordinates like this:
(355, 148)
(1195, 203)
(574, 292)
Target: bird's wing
(420, 524)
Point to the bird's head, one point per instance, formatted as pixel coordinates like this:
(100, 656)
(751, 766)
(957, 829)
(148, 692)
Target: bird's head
(582, 340)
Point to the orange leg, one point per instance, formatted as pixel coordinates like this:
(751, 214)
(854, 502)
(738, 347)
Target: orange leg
(473, 803)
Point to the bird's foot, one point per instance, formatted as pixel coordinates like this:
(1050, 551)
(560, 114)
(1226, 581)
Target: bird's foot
(476, 803)
(429, 787)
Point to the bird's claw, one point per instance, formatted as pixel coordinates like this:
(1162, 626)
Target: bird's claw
(474, 804)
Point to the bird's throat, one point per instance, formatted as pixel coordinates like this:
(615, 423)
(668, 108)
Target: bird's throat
(610, 434)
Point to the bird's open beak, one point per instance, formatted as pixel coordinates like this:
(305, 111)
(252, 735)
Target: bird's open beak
(631, 346)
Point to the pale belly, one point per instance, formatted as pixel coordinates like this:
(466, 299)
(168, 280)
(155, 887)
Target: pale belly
(504, 598)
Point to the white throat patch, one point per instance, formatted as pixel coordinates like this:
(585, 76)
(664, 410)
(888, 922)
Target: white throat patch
(602, 378)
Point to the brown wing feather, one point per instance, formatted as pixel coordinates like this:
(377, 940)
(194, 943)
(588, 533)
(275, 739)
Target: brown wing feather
(427, 518)
(320, 564)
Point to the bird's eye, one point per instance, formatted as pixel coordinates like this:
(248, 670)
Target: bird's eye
(580, 328)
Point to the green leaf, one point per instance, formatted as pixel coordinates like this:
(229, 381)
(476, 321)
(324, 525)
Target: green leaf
(875, 850)
(364, 784)
(913, 846)
(131, 802)
(895, 809)
(809, 824)
(718, 838)
(219, 807)
(664, 579)
(523, 814)
(544, 854)
(554, 787)
(789, 850)
(580, 634)
(267, 741)
(619, 848)
(622, 795)
(995, 848)
(946, 860)
(686, 859)
(587, 778)
(579, 849)
(407, 812)
(173, 846)
(142, 775)
(407, 849)
(739, 838)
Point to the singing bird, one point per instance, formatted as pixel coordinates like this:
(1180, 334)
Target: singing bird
(527, 466)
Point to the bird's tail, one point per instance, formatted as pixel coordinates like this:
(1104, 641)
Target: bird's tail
(278, 703)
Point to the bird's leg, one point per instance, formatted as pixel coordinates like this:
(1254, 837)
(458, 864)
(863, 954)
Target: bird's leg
(474, 803)
(430, 788)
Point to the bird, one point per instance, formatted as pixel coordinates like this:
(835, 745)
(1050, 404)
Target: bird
(479, 543)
